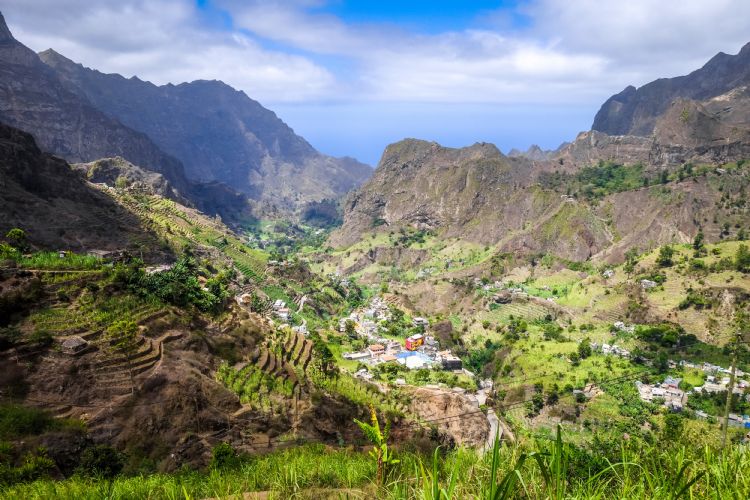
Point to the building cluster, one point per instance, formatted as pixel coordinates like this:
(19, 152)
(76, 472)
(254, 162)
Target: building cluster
(668, 391)
(417, 351)
(337, 279)
(675, 398)
(711, 368)
(622, 327)
(367, 321)
(648, 284)
(611, 349)
(714, 384)
(280, 310)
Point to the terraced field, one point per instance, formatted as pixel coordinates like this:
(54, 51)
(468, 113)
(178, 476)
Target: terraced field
(527, 310)
(181, 225)
(268, 371)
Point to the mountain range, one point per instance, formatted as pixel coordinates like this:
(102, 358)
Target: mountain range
(218, 133)
(207, 139)
(594, 197)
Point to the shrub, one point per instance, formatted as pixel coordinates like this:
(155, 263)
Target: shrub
(666, 255)
(8, 337)
(224, 456)
(19, 421)
(584, 349)
(742, 259)
(41, 337)
(17, 239)
(101, 461)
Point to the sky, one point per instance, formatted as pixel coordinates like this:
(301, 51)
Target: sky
(354, 76)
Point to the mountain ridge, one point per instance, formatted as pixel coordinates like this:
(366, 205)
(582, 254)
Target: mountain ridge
(219, 134)
(633, 111)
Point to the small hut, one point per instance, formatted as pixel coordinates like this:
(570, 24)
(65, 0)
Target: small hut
(74, 345)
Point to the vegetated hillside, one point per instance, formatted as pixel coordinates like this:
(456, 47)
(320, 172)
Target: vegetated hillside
(219, 134)
(57, 207)
(172, 363)
(480, 196)
(635, 111)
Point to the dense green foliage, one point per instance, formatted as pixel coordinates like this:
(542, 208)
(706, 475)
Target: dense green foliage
(597, 181)
(19, 421)
(180, 285)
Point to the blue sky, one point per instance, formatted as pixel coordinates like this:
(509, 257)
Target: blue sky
(353, 76)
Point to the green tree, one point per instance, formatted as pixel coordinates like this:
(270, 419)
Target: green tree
(666, 255)
(584, 348)
(257, 304)
(121, 182)
(101, 461)
(699, 245)
(17, 239)
(631, 259)
(673, 425)
(224, 456)
(742, 259)
(350, 328)
(397, 315)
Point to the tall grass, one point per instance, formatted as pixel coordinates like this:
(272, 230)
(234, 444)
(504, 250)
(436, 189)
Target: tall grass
(545, 469)
(53, 261)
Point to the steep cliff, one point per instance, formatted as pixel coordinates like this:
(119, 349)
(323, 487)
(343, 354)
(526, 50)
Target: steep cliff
(635, 111)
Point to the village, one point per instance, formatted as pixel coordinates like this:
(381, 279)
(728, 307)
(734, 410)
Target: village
(418, 351)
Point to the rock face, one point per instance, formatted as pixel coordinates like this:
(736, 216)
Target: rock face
(481, 196)
(55, 206)
(33, 99)
(429, 187)
(635, 111)
(218, 133)
(117, 170)
(470, 429)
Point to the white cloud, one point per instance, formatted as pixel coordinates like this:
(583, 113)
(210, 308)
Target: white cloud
(577, 51)
(644, 39)
(163, 42)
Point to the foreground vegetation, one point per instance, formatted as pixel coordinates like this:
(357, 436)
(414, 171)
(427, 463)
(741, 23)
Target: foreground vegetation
(541, 468)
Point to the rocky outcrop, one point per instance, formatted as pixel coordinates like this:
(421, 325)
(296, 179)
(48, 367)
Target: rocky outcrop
(218, 133)
(478, 195)
(55, 206)
(118, 172)
(389, 256)
(33, 99)
(424, 186)
(635, 111)
(453, 414)
(534, 153)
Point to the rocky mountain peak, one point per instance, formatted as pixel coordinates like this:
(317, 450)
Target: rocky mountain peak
(5, 34)
(52, 57)
(635, 111)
